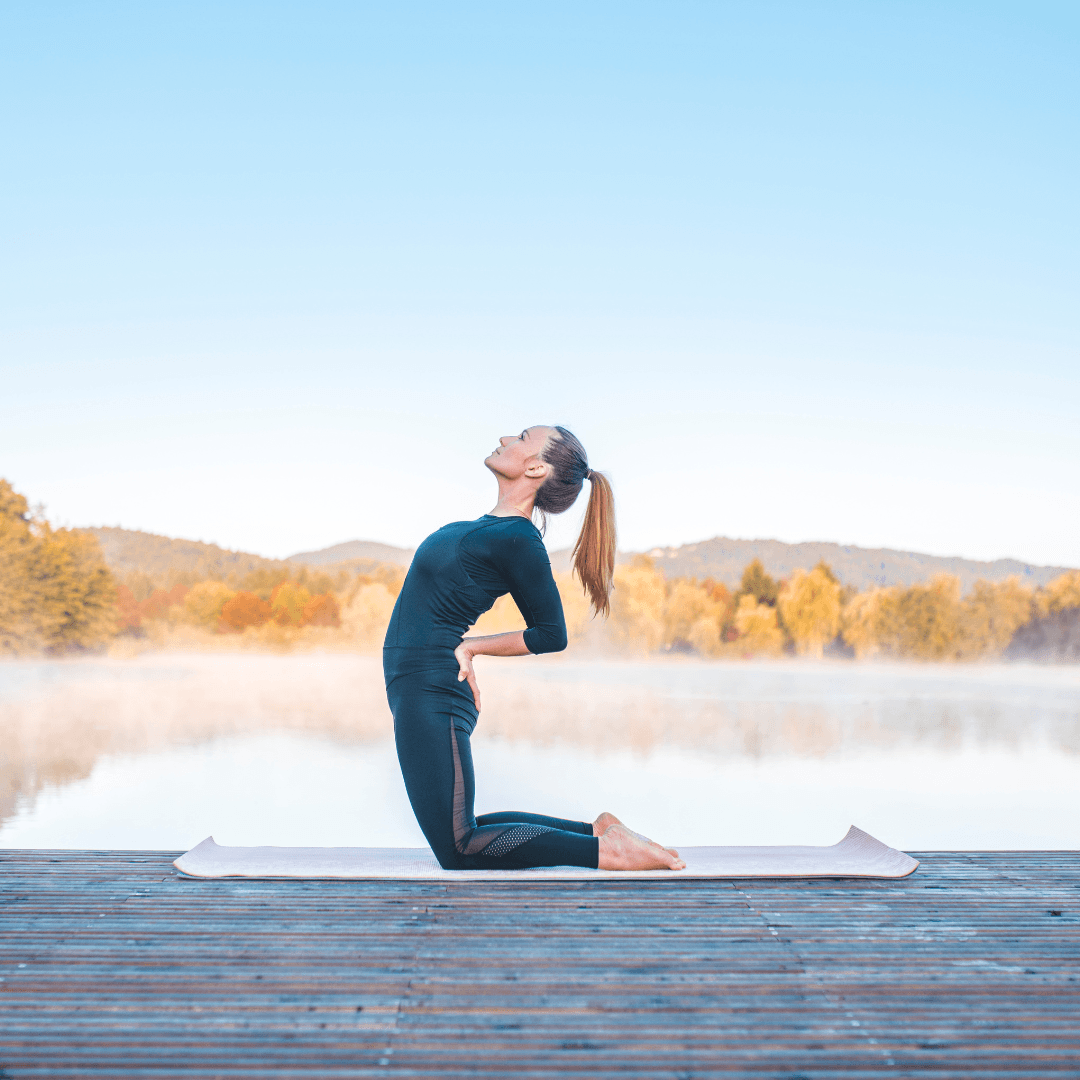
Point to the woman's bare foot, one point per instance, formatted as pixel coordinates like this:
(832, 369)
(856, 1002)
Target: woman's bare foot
(603, 823)
(621, 849)
(606, 820)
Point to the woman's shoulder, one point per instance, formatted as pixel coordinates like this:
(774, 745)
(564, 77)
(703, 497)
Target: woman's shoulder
(517, 528)
(494, 534)
(514, 521)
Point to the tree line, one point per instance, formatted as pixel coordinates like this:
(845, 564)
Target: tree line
(811, 612)
(57, 595)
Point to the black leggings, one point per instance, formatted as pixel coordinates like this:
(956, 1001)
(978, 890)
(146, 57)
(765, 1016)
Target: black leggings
(433, 721)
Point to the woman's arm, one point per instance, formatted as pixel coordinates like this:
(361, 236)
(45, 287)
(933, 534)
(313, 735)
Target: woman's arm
(512, 644)
(521, 562)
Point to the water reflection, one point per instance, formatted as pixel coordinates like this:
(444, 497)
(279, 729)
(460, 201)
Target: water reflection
(161, 751)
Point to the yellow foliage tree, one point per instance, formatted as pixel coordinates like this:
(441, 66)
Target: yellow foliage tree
(991, 614)
(502, 617)
(576, 609)
(75, 593)
(810, 606)
(1061, 594)
(287, 603)
(367, 614)
(870, 622)
(637, 607)
(759, 631)
(691, 618)
(203, 604)
(758, 584)
(930, 619)
(56, 592)
(17, 631)
(706, 636)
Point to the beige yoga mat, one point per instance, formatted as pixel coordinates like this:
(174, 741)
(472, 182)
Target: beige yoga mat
(858, 855)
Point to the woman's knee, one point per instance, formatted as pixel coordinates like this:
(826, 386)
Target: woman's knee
(452, 859)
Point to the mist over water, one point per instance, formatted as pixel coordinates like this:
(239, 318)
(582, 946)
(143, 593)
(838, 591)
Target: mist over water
(163, 750)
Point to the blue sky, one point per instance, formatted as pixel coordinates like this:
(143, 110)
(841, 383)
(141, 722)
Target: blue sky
(277, 275)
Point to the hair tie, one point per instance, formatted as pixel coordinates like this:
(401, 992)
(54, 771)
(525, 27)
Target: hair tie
(588, 474)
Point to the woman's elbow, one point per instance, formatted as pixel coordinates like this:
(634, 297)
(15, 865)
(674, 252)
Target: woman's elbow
(548, 640)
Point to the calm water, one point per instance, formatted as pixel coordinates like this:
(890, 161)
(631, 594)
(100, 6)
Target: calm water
(162, 751)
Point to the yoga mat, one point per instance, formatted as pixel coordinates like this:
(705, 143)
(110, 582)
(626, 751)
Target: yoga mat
(857, 855)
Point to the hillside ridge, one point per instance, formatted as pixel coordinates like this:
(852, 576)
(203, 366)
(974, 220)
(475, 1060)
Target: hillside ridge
(721, 558)
(354, 549)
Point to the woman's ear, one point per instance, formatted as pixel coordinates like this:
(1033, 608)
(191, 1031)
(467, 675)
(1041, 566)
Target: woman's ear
(537, 469)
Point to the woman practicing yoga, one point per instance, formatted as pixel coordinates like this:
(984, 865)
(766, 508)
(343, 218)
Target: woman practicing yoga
(456, 575)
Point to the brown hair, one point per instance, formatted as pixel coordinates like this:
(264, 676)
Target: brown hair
(594, 552)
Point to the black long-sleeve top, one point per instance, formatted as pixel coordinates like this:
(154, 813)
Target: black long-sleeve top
(457, 574)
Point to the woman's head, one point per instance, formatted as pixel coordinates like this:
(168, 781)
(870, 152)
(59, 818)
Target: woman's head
(566, 470)
(521, 457)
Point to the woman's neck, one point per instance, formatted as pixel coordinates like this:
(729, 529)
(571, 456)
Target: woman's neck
(514, 500)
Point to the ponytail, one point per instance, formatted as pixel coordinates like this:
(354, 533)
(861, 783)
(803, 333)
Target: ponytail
(594, 552)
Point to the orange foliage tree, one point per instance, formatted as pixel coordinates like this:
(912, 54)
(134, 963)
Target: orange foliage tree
(159, 601)
(321, 610)
(242, 610)
(127, 609)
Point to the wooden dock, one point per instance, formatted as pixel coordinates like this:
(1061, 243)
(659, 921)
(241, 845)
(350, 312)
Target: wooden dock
(114, 965)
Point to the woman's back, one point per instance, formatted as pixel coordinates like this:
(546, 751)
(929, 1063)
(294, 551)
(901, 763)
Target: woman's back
(459, 572)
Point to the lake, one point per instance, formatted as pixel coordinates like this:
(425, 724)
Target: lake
(162, 750)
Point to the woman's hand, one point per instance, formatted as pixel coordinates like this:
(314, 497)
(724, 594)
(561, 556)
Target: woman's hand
(466, 673)
(510, 644)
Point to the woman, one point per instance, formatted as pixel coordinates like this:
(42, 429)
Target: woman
(457, 574)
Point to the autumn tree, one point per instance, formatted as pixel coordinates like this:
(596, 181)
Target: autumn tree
(637, 608)
(127, 607)
(321, 610)
(929, 617)
(367, 613)
(576, 608)
(991, 614)
(161, 601)
(17, 627)
(242, 610)
(827, 570)
(1062, 594)
(692, 618)
(758, 584)
(204, 603)
(287, 603)
(810, 606)
(758, 629)
(75, 592)
(870, 622)
(56, 593)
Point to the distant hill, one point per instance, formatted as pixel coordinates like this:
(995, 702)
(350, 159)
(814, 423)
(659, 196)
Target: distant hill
(724, 560)
(128, 550)
(352, 550)
(164, 559)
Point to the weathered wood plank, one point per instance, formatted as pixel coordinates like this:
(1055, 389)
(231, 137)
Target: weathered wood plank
(971, 968)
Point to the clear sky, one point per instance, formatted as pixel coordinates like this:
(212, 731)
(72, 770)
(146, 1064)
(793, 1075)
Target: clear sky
(277, 275)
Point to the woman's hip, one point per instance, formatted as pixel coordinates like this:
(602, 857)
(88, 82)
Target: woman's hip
(431, 698)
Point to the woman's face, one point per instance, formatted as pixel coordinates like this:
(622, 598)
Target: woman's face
(519, 455)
